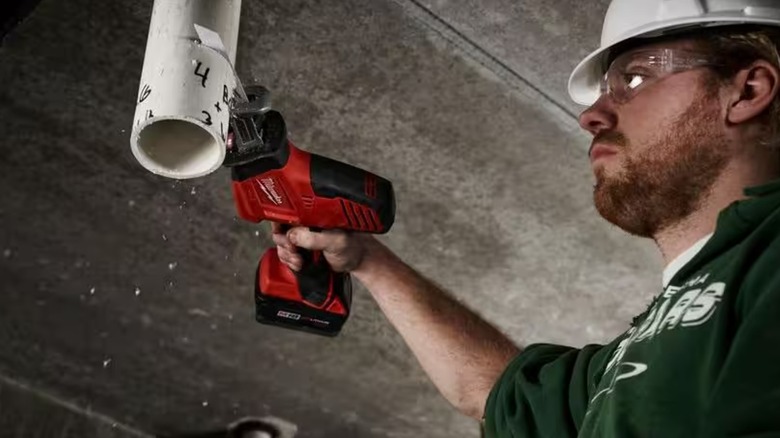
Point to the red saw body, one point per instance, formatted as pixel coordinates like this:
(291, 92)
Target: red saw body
(315, 191)
(274, 180)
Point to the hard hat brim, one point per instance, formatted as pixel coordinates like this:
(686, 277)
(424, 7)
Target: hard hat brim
(585, 78)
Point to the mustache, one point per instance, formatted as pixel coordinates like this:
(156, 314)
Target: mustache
(609, 137)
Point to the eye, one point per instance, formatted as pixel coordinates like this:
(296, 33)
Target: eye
(634, 80)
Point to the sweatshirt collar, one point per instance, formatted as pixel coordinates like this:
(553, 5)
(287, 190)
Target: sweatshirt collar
(681, 260)
(735, 219)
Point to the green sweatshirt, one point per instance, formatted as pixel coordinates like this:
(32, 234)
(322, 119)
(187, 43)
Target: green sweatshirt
(702, 361)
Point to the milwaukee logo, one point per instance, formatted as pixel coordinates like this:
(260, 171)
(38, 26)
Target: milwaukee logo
(268, 186)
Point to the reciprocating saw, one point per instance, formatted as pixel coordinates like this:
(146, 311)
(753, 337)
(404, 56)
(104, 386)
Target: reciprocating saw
(273, 180)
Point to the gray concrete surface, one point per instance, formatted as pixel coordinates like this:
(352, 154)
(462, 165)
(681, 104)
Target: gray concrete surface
(27, 412)
(462, 105)
(541, 41)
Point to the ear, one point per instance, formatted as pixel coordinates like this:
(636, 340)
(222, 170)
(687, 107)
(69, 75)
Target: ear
(755, 88)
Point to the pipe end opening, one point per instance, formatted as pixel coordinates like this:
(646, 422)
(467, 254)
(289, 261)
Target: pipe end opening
(178, 149)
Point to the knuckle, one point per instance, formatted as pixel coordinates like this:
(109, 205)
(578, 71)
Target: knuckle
(285, 255)
(284, 246)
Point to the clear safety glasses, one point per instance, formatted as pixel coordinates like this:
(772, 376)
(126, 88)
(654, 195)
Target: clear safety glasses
(632, 72)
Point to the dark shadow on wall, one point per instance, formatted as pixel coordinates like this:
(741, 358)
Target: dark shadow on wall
(13, 12)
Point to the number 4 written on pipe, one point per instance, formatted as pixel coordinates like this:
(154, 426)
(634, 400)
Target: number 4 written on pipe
(203, 76)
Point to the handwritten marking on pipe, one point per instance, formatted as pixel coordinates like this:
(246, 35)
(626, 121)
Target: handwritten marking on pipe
(229, 100)
(222, 130)
(208, 118)
(216, 105)
(145, 92)
(149, 114)
(204, 75)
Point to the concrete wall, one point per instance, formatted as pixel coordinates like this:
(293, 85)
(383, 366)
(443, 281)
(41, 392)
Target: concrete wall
(469, 122)
(26, 412)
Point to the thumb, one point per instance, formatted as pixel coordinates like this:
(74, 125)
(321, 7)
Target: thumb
(304, 238)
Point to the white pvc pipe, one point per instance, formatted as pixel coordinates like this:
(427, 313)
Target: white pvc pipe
(182, 117)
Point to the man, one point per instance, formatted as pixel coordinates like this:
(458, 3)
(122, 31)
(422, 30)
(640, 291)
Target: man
(684, 113)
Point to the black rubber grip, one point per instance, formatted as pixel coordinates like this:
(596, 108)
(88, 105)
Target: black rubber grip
(335, 179)
(314, 278)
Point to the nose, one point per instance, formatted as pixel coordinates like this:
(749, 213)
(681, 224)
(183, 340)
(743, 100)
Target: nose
(598, 117)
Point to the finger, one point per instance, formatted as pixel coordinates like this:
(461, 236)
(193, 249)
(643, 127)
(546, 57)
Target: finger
(292, 261)
(282, 241)
(320, 240)
(286, 255)
(304, 238)
(296, 263)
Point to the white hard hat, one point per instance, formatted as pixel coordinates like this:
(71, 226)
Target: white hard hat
(627, 19)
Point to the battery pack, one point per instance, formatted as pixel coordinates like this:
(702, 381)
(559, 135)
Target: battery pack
(280, 300)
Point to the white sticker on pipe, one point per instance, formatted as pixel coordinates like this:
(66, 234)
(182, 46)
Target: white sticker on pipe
(212, 40)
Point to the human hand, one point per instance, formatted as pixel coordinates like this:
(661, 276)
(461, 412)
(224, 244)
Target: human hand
(343, 250)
